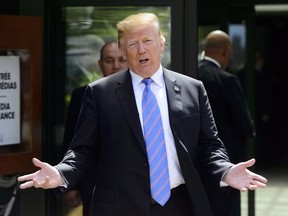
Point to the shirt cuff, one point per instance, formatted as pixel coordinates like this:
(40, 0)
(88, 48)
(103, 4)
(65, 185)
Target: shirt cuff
(223, 183)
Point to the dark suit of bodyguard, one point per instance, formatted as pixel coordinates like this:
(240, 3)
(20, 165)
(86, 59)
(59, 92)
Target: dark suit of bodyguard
(230, 110)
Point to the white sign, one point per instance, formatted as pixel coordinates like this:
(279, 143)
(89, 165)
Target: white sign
(9, 100)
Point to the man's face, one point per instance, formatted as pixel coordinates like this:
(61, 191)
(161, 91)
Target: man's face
(112, 61)
(143, 49)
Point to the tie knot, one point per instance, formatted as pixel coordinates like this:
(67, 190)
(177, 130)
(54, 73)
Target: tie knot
(147, 81)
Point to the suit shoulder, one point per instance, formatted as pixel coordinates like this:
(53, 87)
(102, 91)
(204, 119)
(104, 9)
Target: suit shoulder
(107, 81)
(184, 78)
(229, 76)
(79, 92)
(79, 89)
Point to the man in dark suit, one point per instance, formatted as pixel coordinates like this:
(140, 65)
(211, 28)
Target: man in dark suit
(111, 137)
(230, 110)
(111, 61)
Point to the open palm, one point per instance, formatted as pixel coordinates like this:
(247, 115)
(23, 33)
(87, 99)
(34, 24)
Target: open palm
(47, 177)
(241, 178)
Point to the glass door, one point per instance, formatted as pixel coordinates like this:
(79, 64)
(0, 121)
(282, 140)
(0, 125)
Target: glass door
(76, 32)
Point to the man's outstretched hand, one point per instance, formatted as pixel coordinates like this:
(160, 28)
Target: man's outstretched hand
(241, 178)
(47, 177)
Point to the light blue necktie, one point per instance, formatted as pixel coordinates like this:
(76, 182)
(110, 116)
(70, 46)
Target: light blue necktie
(155, 146)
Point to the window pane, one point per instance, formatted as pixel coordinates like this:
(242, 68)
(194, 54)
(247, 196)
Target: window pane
(88, 28)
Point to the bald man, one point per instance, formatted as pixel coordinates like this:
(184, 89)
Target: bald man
(231, 113)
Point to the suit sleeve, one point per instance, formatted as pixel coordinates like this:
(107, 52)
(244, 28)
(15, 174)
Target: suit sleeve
(213, 157)
(81, 155)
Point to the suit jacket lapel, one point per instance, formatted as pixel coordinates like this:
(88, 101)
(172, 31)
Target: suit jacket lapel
(173, 89)
(190, 174)
(125, 93)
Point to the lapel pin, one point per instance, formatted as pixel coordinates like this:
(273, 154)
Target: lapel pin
(177, 89)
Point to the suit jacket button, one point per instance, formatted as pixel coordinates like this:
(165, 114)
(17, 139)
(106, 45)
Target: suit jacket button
(145, 164)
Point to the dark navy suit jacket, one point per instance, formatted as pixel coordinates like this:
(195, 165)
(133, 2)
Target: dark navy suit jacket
(109, 140)
(233, 119)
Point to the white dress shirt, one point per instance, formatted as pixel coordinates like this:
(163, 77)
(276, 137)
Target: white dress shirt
(159, 89)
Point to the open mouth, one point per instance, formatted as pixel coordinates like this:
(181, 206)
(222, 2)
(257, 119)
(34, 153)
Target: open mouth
(144, 61)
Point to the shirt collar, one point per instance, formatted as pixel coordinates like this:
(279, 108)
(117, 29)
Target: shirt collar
(157, 77)
(212, 60)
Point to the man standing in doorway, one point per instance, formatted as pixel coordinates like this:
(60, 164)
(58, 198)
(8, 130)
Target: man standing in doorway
(231, 113)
